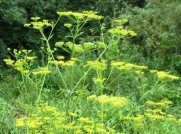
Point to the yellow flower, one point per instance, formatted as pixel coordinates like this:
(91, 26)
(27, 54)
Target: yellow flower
(89, 46)
(90, 15)
(49, 109)
(41, 71)
(153, 71)
(99, 80)
(117, 63)
(35, 18)
(101, 45)
(46, 118)
(122, 32)
(9, 61)
(91, 98)
(31, 58)
(164, 75)
(139, 72)
(20, 122)
(68, 25)
(75, 47)
(40, 24)
(162, 103)
(100, 130)
(73, 114)
(60, 57)
(69, 63)
(85, 120)
(27, 25)
(154, 116)
(138, 118)
(109, 100)
(59, 44)
(132, 33)
(121, 21)
(33, 123)
(118, 101)
(97, 65)
(103, 99)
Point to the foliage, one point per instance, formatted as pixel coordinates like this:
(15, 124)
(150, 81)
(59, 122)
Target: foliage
(15, 13)
(158, 36)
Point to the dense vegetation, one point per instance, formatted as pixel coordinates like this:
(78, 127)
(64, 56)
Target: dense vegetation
(95, 67)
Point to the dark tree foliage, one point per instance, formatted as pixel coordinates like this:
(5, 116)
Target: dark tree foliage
(14, 13)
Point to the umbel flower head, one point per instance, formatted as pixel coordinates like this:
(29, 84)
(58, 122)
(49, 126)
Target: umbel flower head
(122, 32)
(119, 29)
(162, 103)
(113, 101)
(38, 24)
(41, 71)
(162, 75)
(68, 25)
(99, 80)
(97, 65)
(60, 62)
(89, 15)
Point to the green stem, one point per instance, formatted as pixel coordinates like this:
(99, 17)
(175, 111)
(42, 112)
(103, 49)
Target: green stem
(26, 90)
(86, 73)
(52, 56)
(41, 88)
(152, 89)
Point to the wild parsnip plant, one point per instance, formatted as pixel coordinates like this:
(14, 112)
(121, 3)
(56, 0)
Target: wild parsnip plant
(89, 92)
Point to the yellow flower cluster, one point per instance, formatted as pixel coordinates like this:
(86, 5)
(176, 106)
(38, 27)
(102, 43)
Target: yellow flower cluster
(61, 62)
(47, 119)
(35, 18)
(80, 48)
(162, 103)
(89, 46)
(99, 80)
(156, 113)
(29, 122)
(101, 45)
(112, 101)
(41, 71)
(9, 62)
(123, 66)
(22, 62)
(31, 58)
(122, 32)
(68, 25)
(152, 115)
(164, 75)
(59, 44)
(97, 65)
(119, 30)
(86, 120)
(75, 47)
(159, 114)
(22, 66)
(121, 21)
(137, 118)
(90, 15)
(37, 24)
